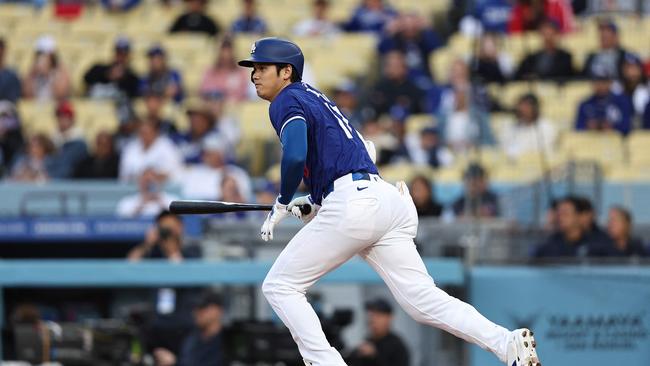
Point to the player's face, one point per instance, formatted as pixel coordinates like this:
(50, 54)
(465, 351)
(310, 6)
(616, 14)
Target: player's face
(268, 81)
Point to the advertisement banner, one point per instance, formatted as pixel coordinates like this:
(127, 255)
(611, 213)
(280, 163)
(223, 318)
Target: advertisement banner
(597, 316)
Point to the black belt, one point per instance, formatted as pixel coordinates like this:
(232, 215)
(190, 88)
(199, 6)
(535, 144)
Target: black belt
(355, 177)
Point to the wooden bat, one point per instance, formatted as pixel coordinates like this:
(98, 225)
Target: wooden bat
(212, 207)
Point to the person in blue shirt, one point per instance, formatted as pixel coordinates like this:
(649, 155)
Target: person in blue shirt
(370, 16)
(604, 110)
(646, 117)
(9, 82)
(249, 22)
(493, 15)
(350, 211)
(161, 78)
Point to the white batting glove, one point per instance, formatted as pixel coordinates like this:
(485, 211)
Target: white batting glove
(277, 214)
(295, 205)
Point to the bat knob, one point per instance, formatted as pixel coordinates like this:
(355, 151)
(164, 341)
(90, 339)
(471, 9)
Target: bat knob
(305, 209)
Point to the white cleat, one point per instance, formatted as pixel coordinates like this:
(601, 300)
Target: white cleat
(521, 349)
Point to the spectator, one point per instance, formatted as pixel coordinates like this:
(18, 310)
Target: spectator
(115, 79)
(422, 193)
(604, 110)
(154, 103)
(530, 133)
(195, 20)
(410, 34)
(345, 96)
(382, 346)
(370, 16)
(527, 15)
(32, 166)
(319, 25)
(491, 65)
(9, 82)
(646, 117)
(493, 15)
(205, 180)
(225, 76)
(150, 200)
(551, 62)
(570, 239)
(611, 55)
(149, 150)
(592, 231)
(204, 345)
(224, 124)
(394, 90)
(165, 240)
(249, 21)
(47, 79)
(70, 143)
(633, 84)
(426, 148)
(11, 137)
(119, 6)
(201, 126)
(104, 163)
(619, 228)
(161, 78)
(477, 199)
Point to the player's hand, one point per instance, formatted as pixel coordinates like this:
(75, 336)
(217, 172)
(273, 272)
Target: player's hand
(277, 214)
(296, 207)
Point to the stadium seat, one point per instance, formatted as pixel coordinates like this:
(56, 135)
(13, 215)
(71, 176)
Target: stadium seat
(416, 122)
(638, 148)
(406, 172)
(37, 116)
(605, 148)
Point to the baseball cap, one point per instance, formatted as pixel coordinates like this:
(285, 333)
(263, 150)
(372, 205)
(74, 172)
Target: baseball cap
(65, 109)
(198, 106)
(208, 298)
(156, 50)
(474, 170)
(600, 73)
(379, 305)
(122, 44)
(45, 44)
(608, 24)
(631, 58)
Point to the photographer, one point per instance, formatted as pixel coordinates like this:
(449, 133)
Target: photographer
(165, 240)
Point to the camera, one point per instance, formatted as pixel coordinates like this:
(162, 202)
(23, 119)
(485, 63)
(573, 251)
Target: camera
(164, 233)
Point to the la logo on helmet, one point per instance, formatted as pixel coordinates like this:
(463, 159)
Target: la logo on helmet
(253, 48)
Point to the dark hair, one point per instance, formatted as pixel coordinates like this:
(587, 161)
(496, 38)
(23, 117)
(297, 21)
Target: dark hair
(294, 74)
(627, 215)
(166, 213)
(581, 204)
(533, 100)
(2, 43)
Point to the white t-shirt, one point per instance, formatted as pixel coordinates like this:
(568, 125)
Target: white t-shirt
(516, 139)
(162, 155)
(315, 27)
(128, 206)
(203, 182)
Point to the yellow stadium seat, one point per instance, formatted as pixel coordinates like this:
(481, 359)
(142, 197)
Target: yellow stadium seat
(254, 120)
(416, 122)
(37, 116)
(406, 172)
(449, 174)
(628, 173)
(638, 148)
(603, 147)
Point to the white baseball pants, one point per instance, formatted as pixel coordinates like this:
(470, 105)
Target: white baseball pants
(372, 219)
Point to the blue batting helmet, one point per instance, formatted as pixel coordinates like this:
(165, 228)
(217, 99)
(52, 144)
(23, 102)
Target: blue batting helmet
(275, 51)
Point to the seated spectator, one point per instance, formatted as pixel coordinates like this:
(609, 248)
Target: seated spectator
(9, 82)
(70, 143)
(646, 117)
(426, 204)
(47, 79)
(201, 126)
(115, 79)
(571, 238)
(551, 62)
(410, 34)
(427, 148)
(11, 137)
(477, 199)
(150, 200)
(527, 15)
(195, 19)
(204, 345)
(32, 166)
(165, 240)
(492, 65)
(154, 102)
(604, 110)
(149, 150)
(530, 132)
(493, 15)
(204, 181)
(611, 55)
(104, 163)
(394, 90)
(225, 124)
(370, 16)
(619, 228)
(319, 25)
(382, 346)
(346, 97)
(225, 76)
(160, 77)
(249, 21)
(587, 216)
(633, 84)
(119, 6)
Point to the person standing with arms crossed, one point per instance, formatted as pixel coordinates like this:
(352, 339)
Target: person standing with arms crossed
(353, 211)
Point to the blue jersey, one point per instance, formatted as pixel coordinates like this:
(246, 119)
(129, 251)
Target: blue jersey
(334, 147)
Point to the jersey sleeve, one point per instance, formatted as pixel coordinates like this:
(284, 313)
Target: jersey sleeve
(284, 109)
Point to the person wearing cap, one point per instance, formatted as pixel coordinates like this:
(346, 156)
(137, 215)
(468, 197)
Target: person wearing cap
(425, 148)
(319, 25)
(160, 77)
(604, 110)
(116, 78)
(204, 345)
(249, 22)
(154, 102)
(394, 88)
(201, 125)
(477, 199)
(70, 143)
(47, 79)
(204, 180)
(382, 347)
(9, 82)
(633, 84)
(224, 76)
(195, 20)
(611, 55)
(551, 62)
(370, 16)
(226, 124)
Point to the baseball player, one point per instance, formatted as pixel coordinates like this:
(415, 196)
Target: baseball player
(353, 212)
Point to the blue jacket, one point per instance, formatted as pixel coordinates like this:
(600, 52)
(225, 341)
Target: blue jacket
(611, 109)
(63, 164)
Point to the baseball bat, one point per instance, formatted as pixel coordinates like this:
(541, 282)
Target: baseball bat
(213, 207)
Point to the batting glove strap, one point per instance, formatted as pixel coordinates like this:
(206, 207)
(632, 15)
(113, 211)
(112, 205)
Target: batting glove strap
(295, 208)
(277, 214)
